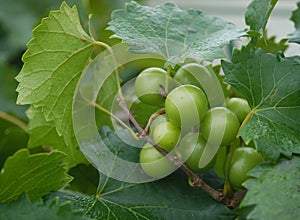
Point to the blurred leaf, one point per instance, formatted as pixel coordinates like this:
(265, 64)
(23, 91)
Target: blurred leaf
(173, 33)
(275, 191)
(17, 18)
(37, 175)
(12, 138)
(296, 19)
(8, 95)
(270, 83)
(49, 210)
(258, 13)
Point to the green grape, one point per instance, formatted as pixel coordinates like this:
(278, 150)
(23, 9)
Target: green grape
(148, 85)
(243, 160)
(239, 107)
(154, 163)
(190, 150)
(218, 121)
(166, 135)
(186, 105)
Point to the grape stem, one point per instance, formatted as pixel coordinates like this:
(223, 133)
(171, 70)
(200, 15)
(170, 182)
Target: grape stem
(196, 180)
(13, 120)
(151, 119)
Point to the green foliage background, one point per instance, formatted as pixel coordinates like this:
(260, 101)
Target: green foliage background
(38, 151)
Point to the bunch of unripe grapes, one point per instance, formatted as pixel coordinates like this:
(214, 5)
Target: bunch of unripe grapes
(190, 125)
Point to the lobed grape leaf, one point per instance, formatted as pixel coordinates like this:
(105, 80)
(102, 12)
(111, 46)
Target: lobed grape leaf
(43, 133)
(37, 175)
(270, 83)
(53, 63)
(49, 210)
(169, 198)
(173, 33)
(296, 19)
(258, 13)
(281, 200)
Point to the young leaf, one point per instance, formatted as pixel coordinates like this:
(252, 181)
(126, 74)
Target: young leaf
(170, 198)
(37, 175)
(296, 19)
(49, 210)
(281, 200)
(271, 85)
(171, 32)
(53, 63)
(269, 45)
(43, 133)
(258, 13)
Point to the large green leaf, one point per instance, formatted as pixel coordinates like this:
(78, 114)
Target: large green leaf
(296, 19)
(271, 85)
(170, 198)
(53, 63)
(171, 32)
(49, 210)
(275, 191)
(37, 175)
(258, 13)
(43, 133)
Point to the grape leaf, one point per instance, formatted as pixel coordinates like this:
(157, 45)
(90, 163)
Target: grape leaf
(173, 33)
(12, 138)
(169, 198)
(274, 191)
(53, 63)
(258, 13)
(296, 19)
(37, 175)
(43, 133)
(85, 179)
(271, 85)
(49, 210)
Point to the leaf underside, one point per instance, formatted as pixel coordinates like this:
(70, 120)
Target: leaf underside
(271, 85)
(53, 63)
(173, 33)
(43, 133)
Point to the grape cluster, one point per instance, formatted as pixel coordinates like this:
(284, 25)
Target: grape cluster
(190, 125)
